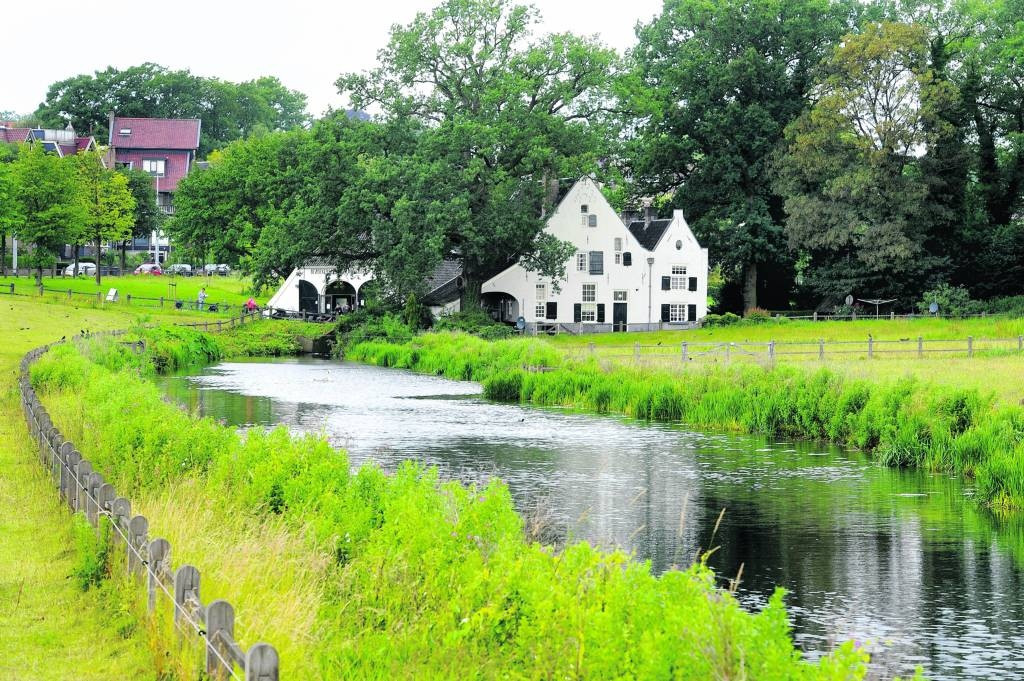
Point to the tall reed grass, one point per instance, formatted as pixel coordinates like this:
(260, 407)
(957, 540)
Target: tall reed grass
(422, 578)
(902, 422)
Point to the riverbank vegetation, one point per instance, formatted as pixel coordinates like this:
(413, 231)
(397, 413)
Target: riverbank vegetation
(901, 422)
(398, 574)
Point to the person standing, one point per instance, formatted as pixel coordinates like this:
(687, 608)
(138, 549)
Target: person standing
(202, 297)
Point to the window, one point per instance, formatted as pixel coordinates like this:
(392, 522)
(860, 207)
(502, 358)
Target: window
(618, 243)
(618, 258)
(588, 313)
(596, 262)
(592, 220)
(627, 259)
(676, 312)
(540, 309)
(619, 296)
(678, 278)
(590, 293)
(581, 262)
(124, 131)
(154, 166)
(693, 283)
(584, 208)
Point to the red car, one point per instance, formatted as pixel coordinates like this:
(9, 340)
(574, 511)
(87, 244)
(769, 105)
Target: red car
(148, 268)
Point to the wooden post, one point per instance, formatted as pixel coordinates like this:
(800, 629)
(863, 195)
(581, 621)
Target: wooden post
(69, 294)
(105, 499)
(970, 346)
(636, 351)
(159, 553)
(220, 623)
(821, 349)
(161, 301)
(60, 472)
(186, 581)
(771, 352)
(120, 515)
(590, 347)
(128, 299)
(871, 347)
(853, 315)
(83, 469)
(815, 316)
(99, 298)
(138, 529)
(92, 500)
(727, 352)
(920, 347)
(70, 491)
(892, 315)
(1020, 343)
(684, 350)
(261, 663)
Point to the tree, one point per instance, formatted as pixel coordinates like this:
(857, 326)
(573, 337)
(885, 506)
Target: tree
(9, 217)
(109, 205)
(501, 114)
(711, 87)
(856, 198)
(228, 110)
(49, 204)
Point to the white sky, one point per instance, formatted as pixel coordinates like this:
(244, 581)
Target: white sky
(305, 43)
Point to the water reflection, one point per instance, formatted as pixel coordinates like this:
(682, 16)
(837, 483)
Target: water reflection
(900, 560)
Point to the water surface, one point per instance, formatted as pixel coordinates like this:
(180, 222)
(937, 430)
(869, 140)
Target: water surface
(902, 561)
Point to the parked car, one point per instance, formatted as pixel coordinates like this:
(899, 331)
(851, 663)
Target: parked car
(209, 269)
(223, 269)
(180, 268)
(84, 268)
(148, 268)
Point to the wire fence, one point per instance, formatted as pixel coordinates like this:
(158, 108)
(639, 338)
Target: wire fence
(85, 490)
(99, 298)
(770, 352)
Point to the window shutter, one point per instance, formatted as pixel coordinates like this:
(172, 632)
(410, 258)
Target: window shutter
(592, 220)
(577, 312)
(627, 259)
(597, 262)
(666, 283)
(552, 311)
(600, 312)
(693, 283)
(664, 313)
(691, 313)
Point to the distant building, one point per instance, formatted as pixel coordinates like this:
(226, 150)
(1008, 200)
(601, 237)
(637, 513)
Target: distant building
(64, 142)
(163, 147)
(641, 274)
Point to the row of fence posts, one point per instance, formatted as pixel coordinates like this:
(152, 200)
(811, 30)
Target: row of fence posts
(84, 489)
(770, 350)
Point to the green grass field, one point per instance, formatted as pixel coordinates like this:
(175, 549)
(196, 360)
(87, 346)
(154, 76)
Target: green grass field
(232, 290)
(996, 367)
(47, 619)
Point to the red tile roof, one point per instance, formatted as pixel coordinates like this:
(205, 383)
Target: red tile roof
(83, 143)
(155, 133)
(14, 134)
(68, 149)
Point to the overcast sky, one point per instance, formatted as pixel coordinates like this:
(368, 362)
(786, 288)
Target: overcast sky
(305, 43)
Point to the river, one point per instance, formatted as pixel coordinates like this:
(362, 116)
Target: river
(901, 561)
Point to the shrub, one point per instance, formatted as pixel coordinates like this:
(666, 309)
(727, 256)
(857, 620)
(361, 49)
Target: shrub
(476, 322)
(952, 300)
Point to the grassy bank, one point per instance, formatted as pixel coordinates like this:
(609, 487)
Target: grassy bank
(403, 575)
(902, 422)
(232, 290)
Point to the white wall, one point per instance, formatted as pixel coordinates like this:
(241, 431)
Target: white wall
(644, 296)
(287, 296)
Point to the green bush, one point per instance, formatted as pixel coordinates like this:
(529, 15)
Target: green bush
(727, 319)
(952, 300)
(476, 322)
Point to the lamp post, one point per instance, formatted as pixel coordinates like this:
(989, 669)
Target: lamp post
(650, 289)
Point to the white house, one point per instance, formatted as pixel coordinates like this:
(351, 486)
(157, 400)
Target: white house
(649, 274)
(316, 287)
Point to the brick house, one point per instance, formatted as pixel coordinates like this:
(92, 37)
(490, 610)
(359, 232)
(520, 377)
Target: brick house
(163, 147)
(61, 142)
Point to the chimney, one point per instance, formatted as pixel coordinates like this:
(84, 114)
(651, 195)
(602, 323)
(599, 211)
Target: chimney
(650, 213)
(110, 128)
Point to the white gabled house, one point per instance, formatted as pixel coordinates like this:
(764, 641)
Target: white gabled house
(317, 288)
(646, 275)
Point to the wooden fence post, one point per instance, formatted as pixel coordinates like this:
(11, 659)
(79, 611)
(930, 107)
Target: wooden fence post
(871, 347)
(815, 318)
(120, 515)
(636, 351)
(821, 349)
(60, 472)
(684, 352)
(159, 557)
(69, 294)
(186, 582)
(970, 346)
(261, 663)
(727, 352)
(138, 529)
(70, 491)
(590, 347)
(771, 352)
(99, 298)
(92, 499)
(161, 301)
(105, 498)
(1020, 343)
(127, 299)
(220, 623)
(82, 471)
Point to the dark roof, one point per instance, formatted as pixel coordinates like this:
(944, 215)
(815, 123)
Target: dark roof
(14, 134)
(649, 233)
(443, 284)
(155, 133)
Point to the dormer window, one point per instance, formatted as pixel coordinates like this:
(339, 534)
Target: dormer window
(584, 208)
(124, 131)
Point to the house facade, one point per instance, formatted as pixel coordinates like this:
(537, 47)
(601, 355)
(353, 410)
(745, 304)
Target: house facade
(645, 275)
(64, 142)
(163, 147)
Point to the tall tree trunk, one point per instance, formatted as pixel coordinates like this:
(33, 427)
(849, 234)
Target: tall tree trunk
(124, 247)
(469, 299)
(99, 279)
(3, 254)
(750, 287)
(39, 274)
(74, 272)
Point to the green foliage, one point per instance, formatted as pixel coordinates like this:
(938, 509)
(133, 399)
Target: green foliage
(476, 322)
(433, 578)
(952, 300)
(93, 549)
(109, 204)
